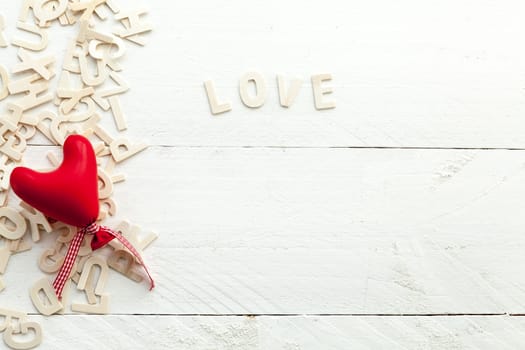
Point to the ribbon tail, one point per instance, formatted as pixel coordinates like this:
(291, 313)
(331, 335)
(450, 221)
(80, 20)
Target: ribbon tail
(115, 234)
(69, 261)
(102, 235)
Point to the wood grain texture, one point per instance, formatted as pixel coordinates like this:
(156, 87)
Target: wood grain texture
(285, 333)
(299, 231)
(406, 74)
(268, 211)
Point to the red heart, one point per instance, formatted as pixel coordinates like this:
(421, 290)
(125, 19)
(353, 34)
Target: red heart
(69, 193)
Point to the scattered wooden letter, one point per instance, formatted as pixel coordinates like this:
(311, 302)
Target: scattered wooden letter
(76, 115)
(133, 26)
(86, 33)
(4, 81)
(88, 269)
(118, 115)
(16, 219)
(48, 13)
(74, 96)
(123, 261)
(86, 7)
(34, 88)
(72, 53)
(101, 308)
(3, 41)
(50, 261)
(9, 319)
(35, 219)
(25, 326)
(49, 304)
(31, 28)
(122, 149)
(5, 254)
(6, 167)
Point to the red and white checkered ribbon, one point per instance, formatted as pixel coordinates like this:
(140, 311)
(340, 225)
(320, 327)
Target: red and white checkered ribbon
(74, 247)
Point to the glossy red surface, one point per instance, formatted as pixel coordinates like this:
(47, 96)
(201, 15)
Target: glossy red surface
(68, 193)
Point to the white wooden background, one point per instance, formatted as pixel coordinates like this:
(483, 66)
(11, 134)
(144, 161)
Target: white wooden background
(393, 221)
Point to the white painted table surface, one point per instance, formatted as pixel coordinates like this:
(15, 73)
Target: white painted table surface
(395, 221)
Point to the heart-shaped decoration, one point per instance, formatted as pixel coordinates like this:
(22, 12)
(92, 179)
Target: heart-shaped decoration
(68, 193)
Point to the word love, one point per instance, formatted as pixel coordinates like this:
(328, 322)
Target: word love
(286, 95)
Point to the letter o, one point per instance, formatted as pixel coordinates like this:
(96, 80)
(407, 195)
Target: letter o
(260, 89)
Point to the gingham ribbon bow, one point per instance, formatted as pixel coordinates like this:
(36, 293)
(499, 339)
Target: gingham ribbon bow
(102, 235)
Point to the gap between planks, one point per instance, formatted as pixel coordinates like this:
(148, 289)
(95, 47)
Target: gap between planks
(302, 315)
(325, 147)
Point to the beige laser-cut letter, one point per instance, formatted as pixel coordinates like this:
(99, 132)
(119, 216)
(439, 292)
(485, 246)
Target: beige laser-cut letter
(215, 106)
(319, 91)
(260, 90)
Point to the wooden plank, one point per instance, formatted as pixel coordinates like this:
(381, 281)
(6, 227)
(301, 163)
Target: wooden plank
(331, 231)
(305, 333)
(429, 76)
(436, 75)
(315, 229)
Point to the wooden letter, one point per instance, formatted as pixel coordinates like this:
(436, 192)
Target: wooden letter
(94, 51)
(123, 262)
(6, 168)
(35, 91)
(50, 261)
(19, 224)
(320, 91)
(122, 149)
(87, 8)
(45, 308)
(118, 115)
(4, 81)
(87, 77)
(31, 28)
(25, 326)
(9, 315)
(74, 96)
(3, 42)
(49, 13)
(260, 90)
(134, 26)
(72, 53)
(121, 87)
(35, 219)
(85, 33)
(215, 106)
(88, 270)
(100, 308)
(287, 99)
